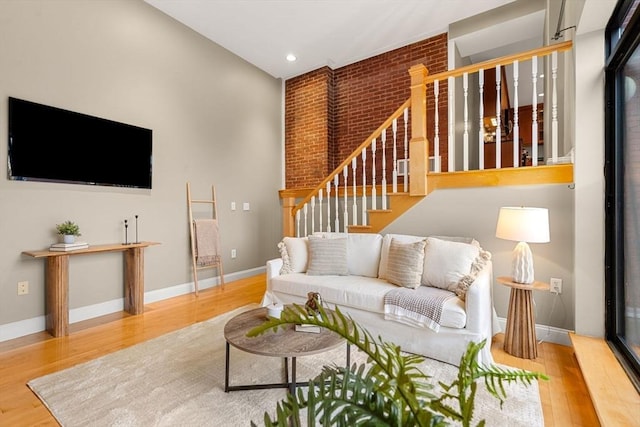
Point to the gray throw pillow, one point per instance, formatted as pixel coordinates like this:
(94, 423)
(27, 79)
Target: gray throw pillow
(405, 262)
(327, 256)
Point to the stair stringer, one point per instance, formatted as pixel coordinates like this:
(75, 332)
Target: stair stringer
(379, 219)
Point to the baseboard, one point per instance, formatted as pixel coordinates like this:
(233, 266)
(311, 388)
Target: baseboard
(545, 333)
(37, 324)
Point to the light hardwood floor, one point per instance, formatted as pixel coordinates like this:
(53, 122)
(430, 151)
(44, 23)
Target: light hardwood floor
(565, 400)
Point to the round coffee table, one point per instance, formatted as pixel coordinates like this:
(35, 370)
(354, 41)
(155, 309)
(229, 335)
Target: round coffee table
(287, 343)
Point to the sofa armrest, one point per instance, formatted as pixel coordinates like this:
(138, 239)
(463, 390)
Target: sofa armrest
(273, 270)
(479, 303)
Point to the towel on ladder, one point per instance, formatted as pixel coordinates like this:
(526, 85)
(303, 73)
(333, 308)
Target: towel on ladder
(207, 242)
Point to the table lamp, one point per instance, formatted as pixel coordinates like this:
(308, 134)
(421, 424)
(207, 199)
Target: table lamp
(523, 225)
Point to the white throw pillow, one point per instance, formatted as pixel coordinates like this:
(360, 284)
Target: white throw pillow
(405, 263)
(294, 254)
(459, 239)
(384, 253)
(451, 265)
(363, 254)
(327, 256)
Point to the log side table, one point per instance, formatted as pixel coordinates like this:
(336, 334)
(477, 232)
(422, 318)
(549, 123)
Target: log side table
(520, 337)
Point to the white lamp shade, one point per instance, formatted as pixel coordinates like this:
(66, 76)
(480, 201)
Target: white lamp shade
(523, 224)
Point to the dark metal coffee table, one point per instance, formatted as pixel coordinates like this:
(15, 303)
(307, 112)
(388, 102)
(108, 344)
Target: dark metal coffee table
(285, 343)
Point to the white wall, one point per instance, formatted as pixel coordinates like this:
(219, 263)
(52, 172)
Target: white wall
(589, 178)
(215, 119)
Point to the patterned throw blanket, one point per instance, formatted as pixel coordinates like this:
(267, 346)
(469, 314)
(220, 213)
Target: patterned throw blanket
(420, 307)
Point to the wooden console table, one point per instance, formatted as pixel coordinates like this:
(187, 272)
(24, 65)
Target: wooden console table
(57, 281)
(520, 337)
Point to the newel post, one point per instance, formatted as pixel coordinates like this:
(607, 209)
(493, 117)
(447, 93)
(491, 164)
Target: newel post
(419, 144)
(288, 222)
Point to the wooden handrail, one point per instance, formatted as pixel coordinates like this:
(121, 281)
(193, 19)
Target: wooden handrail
(505, 60)
(354, 153)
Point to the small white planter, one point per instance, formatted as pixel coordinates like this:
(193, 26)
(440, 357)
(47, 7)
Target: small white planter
(69, 238)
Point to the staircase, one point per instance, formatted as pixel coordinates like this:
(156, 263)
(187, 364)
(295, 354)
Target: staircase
(396, 167)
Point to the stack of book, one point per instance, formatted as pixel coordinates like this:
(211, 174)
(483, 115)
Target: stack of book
(315, 329)
(65, 247)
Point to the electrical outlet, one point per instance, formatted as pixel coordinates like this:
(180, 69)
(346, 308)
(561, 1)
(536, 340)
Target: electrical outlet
(233, 253)
(233, 206)
(23, 288)
(556, 285)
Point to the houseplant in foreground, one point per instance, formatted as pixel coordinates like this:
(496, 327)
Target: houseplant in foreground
(68, 230)
(388, 390)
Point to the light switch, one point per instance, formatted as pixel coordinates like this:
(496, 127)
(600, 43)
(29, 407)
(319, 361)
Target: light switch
(233, 206)
(245, 206)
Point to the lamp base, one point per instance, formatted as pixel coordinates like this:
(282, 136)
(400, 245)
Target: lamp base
(522, 264)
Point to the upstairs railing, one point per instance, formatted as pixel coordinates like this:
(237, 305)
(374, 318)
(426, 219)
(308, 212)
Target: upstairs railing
(379, 167)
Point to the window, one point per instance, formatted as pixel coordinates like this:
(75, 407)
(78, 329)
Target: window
(622, 160)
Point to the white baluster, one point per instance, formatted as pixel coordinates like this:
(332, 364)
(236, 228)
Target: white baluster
(394, 178)
(406, 150)
(436, 118)
(384, 169)
(374, 191)
(298, 223)
(306, 231)
(481, 124)
(364, 186)
(329, 207)
(554, 107)
(516, 117)
(465, 135)
(534, 112)
(345, 174)
(336, 187)
(354, 197)
(320, 209)
(313, 214)
(498, 118)
(452, 139)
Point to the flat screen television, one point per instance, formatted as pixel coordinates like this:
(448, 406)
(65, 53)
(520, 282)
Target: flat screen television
(55, 145)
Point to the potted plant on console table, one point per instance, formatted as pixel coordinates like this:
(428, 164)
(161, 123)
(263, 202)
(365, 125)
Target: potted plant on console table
(69, 230)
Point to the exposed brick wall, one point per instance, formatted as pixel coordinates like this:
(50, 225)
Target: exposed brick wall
(358, 98)
(308, 128)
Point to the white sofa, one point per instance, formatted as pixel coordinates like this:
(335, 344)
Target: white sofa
(377, 280)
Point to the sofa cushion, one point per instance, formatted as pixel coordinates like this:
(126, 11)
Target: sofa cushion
(451, 265)
(294, 254)
(327, 256)
(361, 292)
(384, 252)
(364, 293)
(363, 254)
(405, 263)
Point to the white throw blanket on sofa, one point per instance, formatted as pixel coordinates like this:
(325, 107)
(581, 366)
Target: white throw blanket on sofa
(421, 307)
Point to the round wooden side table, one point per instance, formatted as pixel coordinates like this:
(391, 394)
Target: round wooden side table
(520, 336)
(286, 343)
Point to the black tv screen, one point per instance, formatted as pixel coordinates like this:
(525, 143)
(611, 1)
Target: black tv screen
(56, 145)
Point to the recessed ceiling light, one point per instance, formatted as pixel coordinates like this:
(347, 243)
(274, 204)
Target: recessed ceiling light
(291, 57)
(541, 94)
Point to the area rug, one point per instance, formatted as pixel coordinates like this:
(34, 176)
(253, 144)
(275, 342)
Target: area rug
(178, 380)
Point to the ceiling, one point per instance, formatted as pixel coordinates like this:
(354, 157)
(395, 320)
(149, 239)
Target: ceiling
(321, 33)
